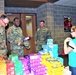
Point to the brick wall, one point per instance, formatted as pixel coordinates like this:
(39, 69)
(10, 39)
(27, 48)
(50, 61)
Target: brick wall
(1, 7)
(54, 18)
(59, 13)
(53, 15)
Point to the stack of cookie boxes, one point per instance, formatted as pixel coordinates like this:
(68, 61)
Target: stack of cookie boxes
(2, 67)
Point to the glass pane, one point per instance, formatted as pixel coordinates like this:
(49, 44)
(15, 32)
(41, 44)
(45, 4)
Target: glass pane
(29, 26)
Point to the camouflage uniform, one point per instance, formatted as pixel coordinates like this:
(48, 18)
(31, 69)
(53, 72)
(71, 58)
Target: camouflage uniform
(15, 37)
(41, 37)
(3, 47)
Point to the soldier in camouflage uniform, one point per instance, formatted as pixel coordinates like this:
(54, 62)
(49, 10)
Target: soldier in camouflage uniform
(3, 23)
(41, 36)
(15, 37)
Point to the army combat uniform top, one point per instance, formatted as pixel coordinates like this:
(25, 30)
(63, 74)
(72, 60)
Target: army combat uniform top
(15, 37)
(3, 47)
(41, 37)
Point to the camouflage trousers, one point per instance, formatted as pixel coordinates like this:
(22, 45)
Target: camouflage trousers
(19, 52)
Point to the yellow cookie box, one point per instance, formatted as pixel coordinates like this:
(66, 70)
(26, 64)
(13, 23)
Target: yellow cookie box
(2, 60)
(2, 67)
(54, 67)
(47, 55)
(3, 73)
(54, 73)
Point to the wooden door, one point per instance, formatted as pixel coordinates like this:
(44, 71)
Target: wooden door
(29, 29)
(28, 25)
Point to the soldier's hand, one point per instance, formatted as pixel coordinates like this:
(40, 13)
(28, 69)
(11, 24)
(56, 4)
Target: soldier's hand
(3, 56)
(21, 44)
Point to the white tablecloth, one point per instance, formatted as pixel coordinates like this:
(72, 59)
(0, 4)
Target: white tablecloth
(66, 71)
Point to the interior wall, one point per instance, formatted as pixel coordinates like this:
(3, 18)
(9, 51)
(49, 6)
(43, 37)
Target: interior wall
(1, 7)
(59, 13)
(54, 18)
(44, 12)
(53, 15)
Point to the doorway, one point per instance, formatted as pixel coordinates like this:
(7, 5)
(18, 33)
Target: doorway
(28, 25)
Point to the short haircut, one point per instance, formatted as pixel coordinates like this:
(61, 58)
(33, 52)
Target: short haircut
(42, 21)
(4, 16)
(15, 18)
